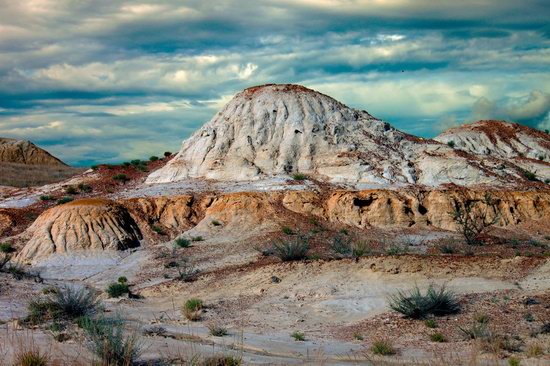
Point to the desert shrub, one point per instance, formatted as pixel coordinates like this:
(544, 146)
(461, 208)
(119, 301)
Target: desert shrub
(217, 330)
(117, 289)
(6, 248)
(121, 177)
(220, 360)
(46, 197)
(529, 317)
(451, 144)
(153, 158)
(63, 303)
(358, 336)
(192, 309)
(167, 154)
(530, 175)
(512, 361)
(71, 190)
(286, 230)
(94, 167)
(299, 176)
(416, 305)
(86, 188)
(182, 243)
(547, 181)
(471, 222)
(197, 238)
(64, 200)
(534, 349)
(430, 323)
(476, 330)
(383, 347)
(108, 342)
(186, 270)
(292, 249)
(298, 336)
(158, 229)
(395, 250)
(343, 245)
(447, 249)
(30, 356)
(216, 223)
(437, 337)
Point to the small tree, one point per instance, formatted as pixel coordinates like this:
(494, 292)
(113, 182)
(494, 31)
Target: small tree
(473, 222)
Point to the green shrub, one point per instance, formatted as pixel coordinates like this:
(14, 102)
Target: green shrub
(117, 289)
(217, 330)
(6, 248)
(167, 154)
(299, 176)
(291, 249)
(182, 243)
(71, 190)
(64, 200)
(186, 270)
(153, 158)
(108, 342)
(136, 162)
(512, 361)
(94, 167)
(86, 188)
(192, 309)
(451, 144)
(62, 303)
(383, 347)
(158, 229)
(197, 238)
(530, 175)
(437, 337)
(30, 356)
(220, 360)
(121, 177)
(447, 249)
(298, 336)
(122, 279)
(46, 197)
(216, 223)
(417, 305)
(431, 323)
(286, 230)
(477, 330)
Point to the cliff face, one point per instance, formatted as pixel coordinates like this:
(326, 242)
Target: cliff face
(281, 130)
(25, 152)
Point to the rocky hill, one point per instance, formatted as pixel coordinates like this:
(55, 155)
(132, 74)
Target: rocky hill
(25, 152)
(284, 130)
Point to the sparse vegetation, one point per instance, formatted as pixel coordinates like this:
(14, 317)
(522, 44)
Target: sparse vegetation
(217, 330)
(473, 221)
(358, 336)
(476, 330)
(153, 158)
(85, 188)
(182, 242)
(192, 309)
(117, 289)
(299, 176)
(216, 223)
(430, 323)
(64, 200)
(197, 238)
(30, 355)
(6, 248)
(416, 305)
(167, 154)
(157, 229)
(220, 360)
(286, 230)
(292, 249)
(62, 303)
(108, 342)
(186, 270)
(447, 249)
(121, 177)
(46, 198)
(382, 347)
(530, 176)
(451, 144)
(71, 190)
(437, 337)
(298, 336)
(344, 245)
(512, 361)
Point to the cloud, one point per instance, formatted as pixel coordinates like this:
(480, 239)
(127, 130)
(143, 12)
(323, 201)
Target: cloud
(134, 77)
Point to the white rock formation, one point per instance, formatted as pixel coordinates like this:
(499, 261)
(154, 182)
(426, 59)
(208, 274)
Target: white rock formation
(280, 130)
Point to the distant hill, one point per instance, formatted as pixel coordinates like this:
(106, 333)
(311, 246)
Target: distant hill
(23, 164)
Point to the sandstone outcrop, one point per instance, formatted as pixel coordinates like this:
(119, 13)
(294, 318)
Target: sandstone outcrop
(25, 152)
(281, 130)
(90, 224)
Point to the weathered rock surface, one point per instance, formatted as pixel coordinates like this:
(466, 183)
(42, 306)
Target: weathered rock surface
(25, 152)
(510, 142)
(280, 130)
(90, 224)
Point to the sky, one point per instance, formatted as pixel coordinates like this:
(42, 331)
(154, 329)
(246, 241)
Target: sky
(108, 81)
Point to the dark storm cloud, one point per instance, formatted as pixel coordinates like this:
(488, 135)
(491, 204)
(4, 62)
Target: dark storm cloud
(135, 78)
